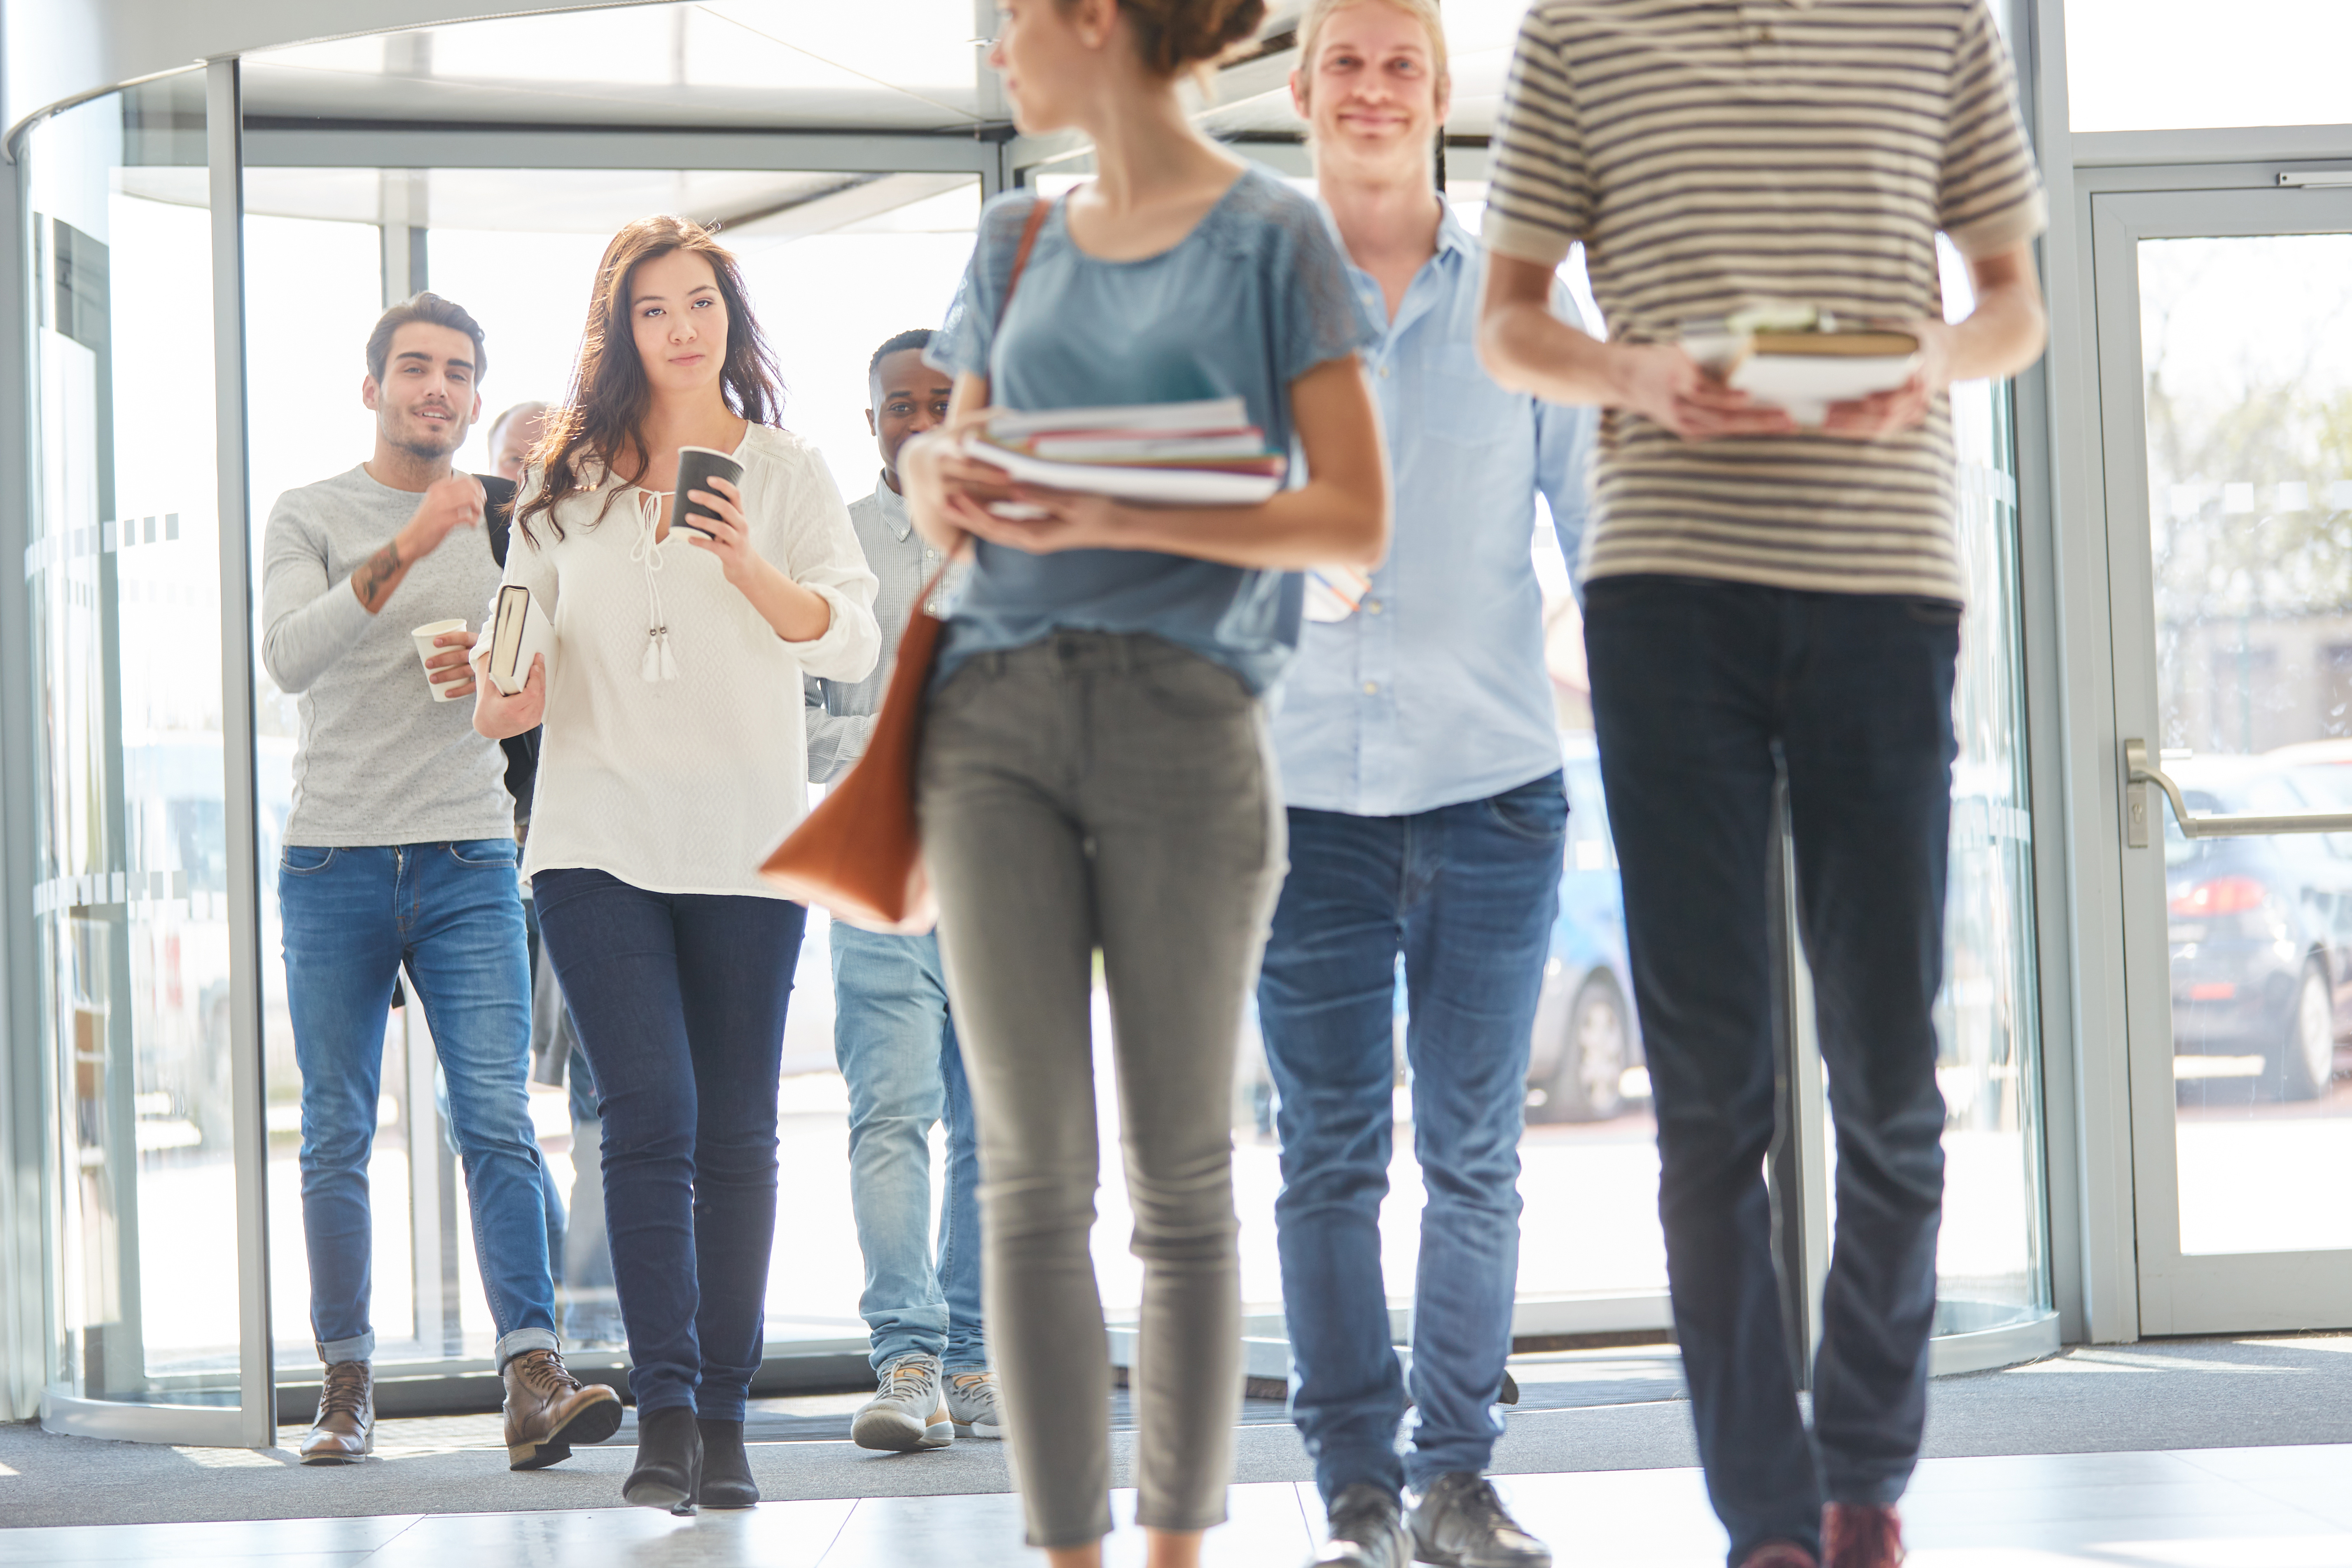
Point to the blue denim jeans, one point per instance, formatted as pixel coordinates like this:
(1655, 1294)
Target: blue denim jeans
(680, 1000)
(1701, 691)
(897, 1049)
(1467, 894)
(453, 915)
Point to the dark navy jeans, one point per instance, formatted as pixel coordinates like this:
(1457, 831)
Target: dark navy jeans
(1467, 894)
(451, 913)
(680, 1000)
(1701, 691)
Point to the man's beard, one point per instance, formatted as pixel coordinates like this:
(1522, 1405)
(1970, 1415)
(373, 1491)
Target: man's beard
(431, 446)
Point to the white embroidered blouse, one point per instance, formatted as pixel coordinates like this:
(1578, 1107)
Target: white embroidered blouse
(677, 768)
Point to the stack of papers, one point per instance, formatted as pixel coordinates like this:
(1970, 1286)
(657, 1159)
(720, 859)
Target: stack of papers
(1180, 454)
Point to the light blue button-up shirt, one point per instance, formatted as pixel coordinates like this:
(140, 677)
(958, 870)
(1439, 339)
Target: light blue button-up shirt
(1434, 691)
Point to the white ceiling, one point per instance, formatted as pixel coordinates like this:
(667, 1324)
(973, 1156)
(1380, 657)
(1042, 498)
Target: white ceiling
(884, 64)
(878, 64)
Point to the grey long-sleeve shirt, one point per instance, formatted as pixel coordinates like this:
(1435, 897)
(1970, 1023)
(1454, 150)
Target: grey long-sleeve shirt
(841, 713)
(378, 760)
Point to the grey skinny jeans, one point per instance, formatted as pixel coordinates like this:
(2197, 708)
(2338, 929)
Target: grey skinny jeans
(1093, 790)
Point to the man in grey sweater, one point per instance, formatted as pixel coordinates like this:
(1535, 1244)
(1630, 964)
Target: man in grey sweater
(400, 849)
(891, 1033)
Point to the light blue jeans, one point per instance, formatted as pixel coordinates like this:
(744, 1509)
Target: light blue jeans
(451, 913)
(896, 1047)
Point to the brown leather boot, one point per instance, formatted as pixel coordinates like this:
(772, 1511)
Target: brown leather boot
(344, 1432)
(548, 1410)
(1861, 1536)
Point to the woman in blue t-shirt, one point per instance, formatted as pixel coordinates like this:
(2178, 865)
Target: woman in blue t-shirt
(1095, 769)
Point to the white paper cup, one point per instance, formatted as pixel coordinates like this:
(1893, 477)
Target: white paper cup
(423, 636)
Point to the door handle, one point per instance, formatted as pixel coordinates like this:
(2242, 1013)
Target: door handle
(2139, 774)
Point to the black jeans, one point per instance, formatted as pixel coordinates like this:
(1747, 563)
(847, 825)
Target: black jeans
(1699, 689)
(680, 1000)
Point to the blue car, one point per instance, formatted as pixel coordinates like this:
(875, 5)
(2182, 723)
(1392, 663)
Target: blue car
(2261, 935)
(1586, 1063)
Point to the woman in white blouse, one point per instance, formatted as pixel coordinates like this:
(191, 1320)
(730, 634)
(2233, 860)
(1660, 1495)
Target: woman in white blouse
(672, 760)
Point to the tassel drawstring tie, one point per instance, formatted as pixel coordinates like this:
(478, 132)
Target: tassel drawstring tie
(659, 665)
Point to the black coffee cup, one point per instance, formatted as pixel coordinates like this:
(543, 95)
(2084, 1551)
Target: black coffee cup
(697, 467)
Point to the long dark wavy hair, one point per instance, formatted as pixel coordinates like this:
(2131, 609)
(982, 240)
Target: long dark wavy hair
(599, 430)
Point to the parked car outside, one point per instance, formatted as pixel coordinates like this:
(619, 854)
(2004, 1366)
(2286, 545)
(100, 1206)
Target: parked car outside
(1586, 1063)
(2260, 933)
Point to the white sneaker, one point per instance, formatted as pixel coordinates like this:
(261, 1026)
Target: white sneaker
(908, 1411)
(971, 1402)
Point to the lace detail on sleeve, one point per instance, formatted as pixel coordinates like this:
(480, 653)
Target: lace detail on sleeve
(965, 340)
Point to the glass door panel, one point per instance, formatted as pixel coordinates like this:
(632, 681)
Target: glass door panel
(130, 901)
(834, 267)
(2227, 329)
(2246, 348)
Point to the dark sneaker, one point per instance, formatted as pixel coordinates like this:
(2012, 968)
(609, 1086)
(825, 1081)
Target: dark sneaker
(1367, 1530)
(1461, 1524)
(1779, 1554)
(1861, 1536)
(907, 1412)
(344, 1432)
(548, 1410)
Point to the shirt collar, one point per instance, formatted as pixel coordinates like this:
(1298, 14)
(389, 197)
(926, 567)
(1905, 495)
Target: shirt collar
(1451, 234)
(893, 508)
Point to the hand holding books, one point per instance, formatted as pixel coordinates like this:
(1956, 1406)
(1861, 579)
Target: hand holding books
(1822, 370)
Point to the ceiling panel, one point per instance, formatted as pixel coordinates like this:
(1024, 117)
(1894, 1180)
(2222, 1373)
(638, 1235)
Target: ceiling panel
(903, 65)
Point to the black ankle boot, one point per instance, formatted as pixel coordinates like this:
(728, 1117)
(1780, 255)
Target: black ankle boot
(669, 1462)
(726, 1468)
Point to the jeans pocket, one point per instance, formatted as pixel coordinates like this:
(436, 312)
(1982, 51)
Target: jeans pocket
(1939, 613)
(559, 885)
(304, 859)
(484, 852)
(1539, 817)
(1191, 687)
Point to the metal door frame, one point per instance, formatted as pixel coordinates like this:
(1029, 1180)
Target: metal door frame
(2227, 1292)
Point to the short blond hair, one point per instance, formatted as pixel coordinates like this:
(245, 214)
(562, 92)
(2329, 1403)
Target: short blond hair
(1318, 11)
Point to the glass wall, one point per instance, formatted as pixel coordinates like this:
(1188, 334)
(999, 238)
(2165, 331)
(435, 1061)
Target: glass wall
(131, 900)
(519, 248)
(1991, 1258)
(133, 921)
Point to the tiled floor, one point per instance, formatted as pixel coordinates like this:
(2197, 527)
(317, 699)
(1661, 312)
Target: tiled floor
(2213, 1508)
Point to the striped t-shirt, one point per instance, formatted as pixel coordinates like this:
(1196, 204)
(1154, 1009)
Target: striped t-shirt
(1715, 155)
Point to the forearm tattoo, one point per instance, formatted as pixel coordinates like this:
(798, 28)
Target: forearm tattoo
(373, 580)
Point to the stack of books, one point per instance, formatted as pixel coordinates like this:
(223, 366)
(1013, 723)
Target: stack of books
(1801, 359)
(1171, 454)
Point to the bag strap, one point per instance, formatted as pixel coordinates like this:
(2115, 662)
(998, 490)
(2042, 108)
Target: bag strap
(1039, 210)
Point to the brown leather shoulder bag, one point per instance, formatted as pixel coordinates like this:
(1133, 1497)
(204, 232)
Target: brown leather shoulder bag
(859, 854)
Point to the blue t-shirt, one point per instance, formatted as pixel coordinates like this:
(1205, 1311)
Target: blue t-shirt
(1254, 296)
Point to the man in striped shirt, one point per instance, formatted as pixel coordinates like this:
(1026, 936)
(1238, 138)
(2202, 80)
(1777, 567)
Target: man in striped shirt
(1765, 598)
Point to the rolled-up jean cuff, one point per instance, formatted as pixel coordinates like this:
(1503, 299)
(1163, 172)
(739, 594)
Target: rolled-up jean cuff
(514, 1345)
(361, 1347)
(1084, 1536)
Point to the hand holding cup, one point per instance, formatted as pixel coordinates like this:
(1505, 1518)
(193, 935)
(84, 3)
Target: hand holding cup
(443, 647)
